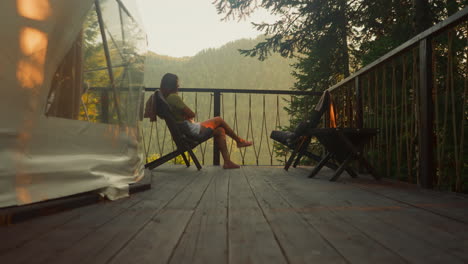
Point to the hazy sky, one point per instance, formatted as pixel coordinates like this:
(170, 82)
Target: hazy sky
(184, 27)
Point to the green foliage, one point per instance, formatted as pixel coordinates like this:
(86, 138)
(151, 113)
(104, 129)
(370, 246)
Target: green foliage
(333, 38)
(127, 58)
(223, 68)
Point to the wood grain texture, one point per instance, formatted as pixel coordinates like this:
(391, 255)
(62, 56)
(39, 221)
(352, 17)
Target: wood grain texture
(444, 204)
(353, 244)
(250, 215)
(251, 239)
(300, 242)
(156, 241)
(363, 211)
(205, 239)
(107, 241)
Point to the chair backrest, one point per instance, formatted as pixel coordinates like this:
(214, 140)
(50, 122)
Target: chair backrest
(163, 110)
(148, 111)
(320, 108)
(315, 116)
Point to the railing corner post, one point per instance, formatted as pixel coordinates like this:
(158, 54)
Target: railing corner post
(216, 112)
(426, 112)
(359, 107)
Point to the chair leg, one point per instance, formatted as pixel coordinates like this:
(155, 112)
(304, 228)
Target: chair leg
(290, 160)
(195, 160)
(320, 165)
(342, 167)
(369, 168)
(298, 159)
(187, 162)
(296, 150)
(318, 159)
(351, 172)
(162, 160)
(304, 144)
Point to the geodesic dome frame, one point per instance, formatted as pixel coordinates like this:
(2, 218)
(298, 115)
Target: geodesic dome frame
(71, 78)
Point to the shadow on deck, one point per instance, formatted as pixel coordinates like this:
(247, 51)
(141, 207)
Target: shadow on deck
(251, 215)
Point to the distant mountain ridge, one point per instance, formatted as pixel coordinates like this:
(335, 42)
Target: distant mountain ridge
(223, 67)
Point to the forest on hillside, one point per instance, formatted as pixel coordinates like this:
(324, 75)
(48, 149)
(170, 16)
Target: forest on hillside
(223, 67)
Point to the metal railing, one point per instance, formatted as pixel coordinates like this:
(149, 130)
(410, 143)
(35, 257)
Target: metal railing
(242, 118)
(417, 95)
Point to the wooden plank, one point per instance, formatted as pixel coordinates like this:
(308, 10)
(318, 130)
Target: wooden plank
(17, 214)
(448, 205)
(63, 236)
(438, 230)
(156, 241)
(300, 242)
(205, 239)
(420, 224)
(353, 244)
(250, 238)
(102, 244)
(430, 229)
(362, 212)
(66, 235)
(18, 234)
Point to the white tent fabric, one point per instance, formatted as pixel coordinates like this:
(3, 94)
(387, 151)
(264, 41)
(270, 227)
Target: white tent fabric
(43, 157)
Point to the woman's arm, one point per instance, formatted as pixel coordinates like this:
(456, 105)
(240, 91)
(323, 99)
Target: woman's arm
(188, 113)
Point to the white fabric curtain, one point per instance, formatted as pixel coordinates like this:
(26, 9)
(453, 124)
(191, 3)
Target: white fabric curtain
(43, 157)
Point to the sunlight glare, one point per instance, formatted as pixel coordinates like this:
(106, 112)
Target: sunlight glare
(34, 9)
(30, 70)
(23, 195)
(23, 182)
(332, 115)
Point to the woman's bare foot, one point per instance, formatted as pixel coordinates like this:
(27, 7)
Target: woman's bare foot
(244, 143)
(230, 165)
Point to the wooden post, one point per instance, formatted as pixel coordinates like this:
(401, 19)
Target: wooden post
(359, 112)
(104, 106)
(426, 112)
(216, 112)
(359, 107)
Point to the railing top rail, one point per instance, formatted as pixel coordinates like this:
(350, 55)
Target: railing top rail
(241, 91)
(453, 20)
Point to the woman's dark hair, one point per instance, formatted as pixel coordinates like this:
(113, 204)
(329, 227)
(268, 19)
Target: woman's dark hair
(169, 84)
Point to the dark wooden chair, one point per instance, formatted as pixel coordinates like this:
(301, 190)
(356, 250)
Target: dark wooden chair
(344, 145)
(299, 139)
(183, 142)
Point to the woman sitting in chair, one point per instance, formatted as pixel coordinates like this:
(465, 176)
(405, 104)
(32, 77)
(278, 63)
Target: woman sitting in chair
(216, 127)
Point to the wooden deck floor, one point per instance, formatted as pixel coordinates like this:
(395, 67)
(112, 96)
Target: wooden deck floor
(251, 215)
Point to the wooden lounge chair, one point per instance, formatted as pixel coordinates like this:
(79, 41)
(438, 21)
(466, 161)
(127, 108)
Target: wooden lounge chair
(299, 140)
(183, 142)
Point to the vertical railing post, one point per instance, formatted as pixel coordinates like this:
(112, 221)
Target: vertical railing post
(426, 112)
(359, 111)
(216, 112)
(110, 70)
(104, 106)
